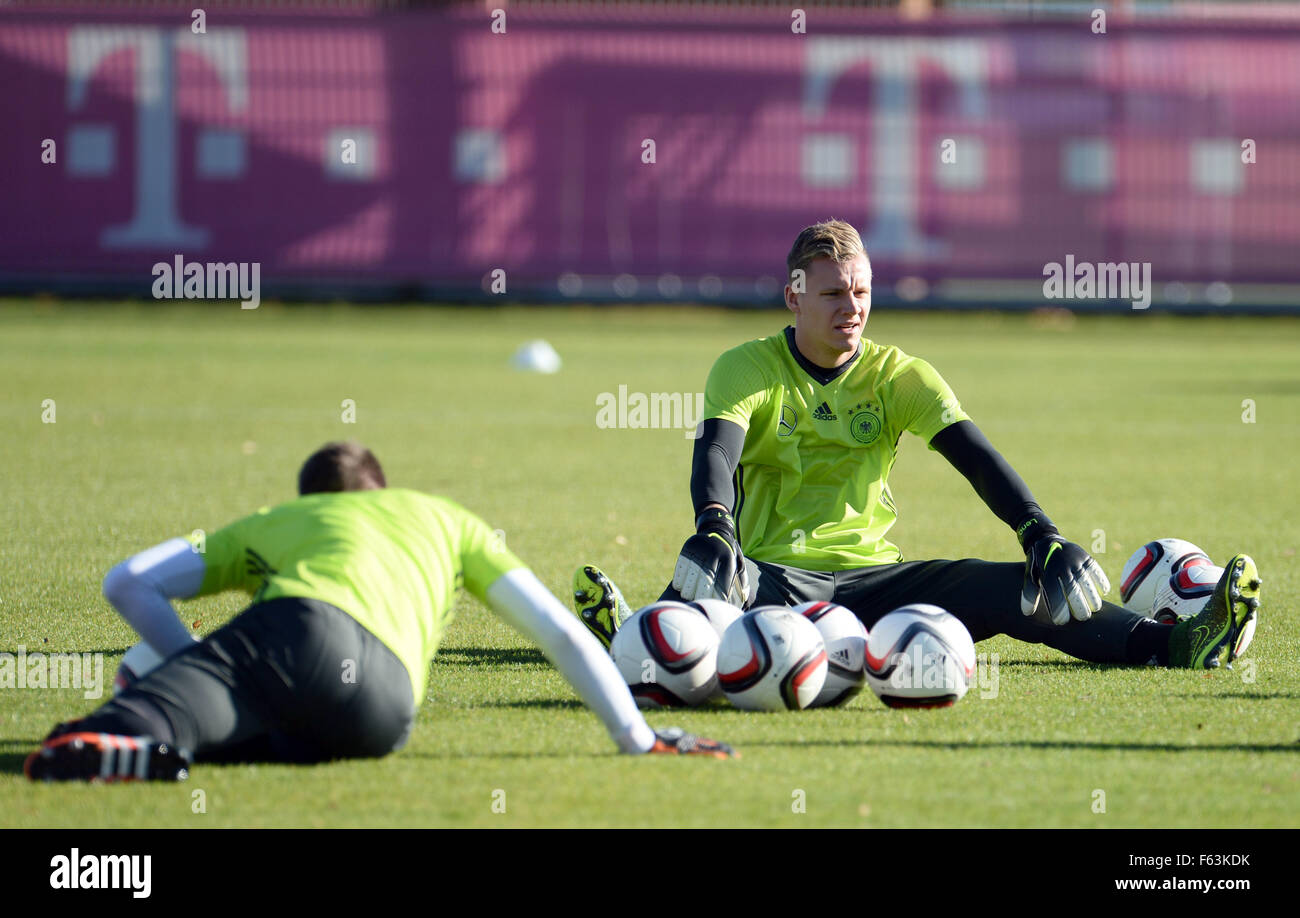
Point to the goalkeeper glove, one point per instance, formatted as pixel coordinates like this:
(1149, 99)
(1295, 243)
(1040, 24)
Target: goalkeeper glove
(674, 741)
(1061, 579)
(710, 565)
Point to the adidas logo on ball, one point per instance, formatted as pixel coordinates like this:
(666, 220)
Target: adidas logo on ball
(846, 648)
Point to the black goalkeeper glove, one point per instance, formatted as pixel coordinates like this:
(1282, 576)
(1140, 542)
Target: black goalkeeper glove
(1061, 579)
(710, 565)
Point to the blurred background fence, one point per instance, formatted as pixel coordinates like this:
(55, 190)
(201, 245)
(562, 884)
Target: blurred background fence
(652, 151)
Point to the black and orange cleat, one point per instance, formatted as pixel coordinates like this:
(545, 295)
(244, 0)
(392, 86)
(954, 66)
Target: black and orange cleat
(106, 757)
(675, 741)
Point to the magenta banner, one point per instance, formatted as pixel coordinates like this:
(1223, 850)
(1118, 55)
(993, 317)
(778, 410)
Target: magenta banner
(655, 154)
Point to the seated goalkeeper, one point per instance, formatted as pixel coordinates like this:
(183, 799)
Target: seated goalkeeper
(352, 586)
(790, 488)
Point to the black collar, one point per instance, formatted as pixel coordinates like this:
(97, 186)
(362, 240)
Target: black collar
(821, 374)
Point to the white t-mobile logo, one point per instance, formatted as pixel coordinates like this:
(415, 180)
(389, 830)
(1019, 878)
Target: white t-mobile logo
(895, 229)
(156, 222)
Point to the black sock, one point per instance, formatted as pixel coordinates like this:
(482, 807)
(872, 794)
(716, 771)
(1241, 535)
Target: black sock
(1147, 640)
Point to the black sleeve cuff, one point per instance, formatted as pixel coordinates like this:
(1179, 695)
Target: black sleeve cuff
(1033, 527)
(715, 520)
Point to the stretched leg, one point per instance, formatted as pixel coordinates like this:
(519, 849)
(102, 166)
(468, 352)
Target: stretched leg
(985, 597)
(152, 729)
(197, 700)
(288, 680)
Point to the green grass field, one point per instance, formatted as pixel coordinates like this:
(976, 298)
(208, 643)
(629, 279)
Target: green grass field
(1127, 428)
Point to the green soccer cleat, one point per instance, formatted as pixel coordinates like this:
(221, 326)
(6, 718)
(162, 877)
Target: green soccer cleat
(598, 603)
(1228, 620)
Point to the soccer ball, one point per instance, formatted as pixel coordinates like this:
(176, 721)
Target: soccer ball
(719, 613)
(1185, 593)
(1150, 566)
(772, 659)
(919, 656)
(136, 663)
(846, 651)
(667, 653)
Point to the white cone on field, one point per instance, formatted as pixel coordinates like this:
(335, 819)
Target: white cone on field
(536, 357)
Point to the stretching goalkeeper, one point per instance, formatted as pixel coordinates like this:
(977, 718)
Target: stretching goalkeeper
(789, 484)
(352, 588)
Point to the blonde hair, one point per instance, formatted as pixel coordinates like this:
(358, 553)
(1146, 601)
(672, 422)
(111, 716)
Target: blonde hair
(833, 239)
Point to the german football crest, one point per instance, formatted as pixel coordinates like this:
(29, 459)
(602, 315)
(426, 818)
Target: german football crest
(866, 421)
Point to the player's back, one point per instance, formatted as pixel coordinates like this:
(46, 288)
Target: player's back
(391, 558)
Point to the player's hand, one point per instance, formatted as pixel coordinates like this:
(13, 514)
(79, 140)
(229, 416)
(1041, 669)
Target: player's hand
(710, 565)
(1062, 580)
(674, 741)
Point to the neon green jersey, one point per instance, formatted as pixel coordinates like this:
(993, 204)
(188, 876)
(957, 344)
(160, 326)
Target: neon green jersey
(812, 486)
(390, 558)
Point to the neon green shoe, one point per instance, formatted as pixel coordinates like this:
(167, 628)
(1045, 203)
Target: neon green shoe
(599, 604)
(1228, 620)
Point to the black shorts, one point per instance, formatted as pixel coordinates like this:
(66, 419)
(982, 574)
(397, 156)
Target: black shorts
(287, 680)
(983, 595)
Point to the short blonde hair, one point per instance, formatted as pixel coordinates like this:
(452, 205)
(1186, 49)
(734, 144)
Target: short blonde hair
(833, 239)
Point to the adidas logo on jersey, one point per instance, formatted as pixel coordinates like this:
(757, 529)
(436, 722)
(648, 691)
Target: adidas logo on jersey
(823, 413)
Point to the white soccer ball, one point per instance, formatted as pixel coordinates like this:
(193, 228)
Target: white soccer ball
(1185, 593)
(667, 653)
(1148, 568)
(136, 663)
(845, 638)
(719, 613)
(772, 659)
(536, 356)
(919, 656)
